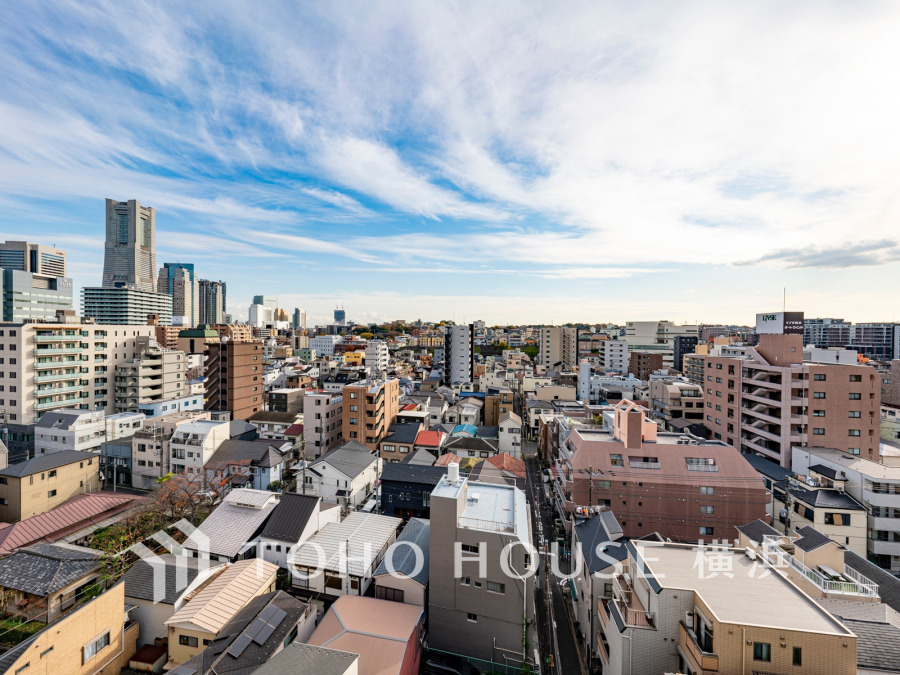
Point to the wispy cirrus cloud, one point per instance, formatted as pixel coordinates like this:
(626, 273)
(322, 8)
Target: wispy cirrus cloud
(849, 254)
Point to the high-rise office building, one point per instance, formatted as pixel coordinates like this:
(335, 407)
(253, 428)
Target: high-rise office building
(298, 322)
(211, 302)
(33, 282)
(179, 281)
(269, 301)
(340, 317)
(130, 258)
(24, 256)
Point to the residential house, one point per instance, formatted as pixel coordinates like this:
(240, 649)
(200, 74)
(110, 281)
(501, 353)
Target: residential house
(272, 425)
(257, 633)
(497, 402)
(151, 446)
(72, 522)
(69, 429)
(195, 442)
(345, 476)
(295, 519)
(252, 464)
(421, 457)
(466, 446)
(99, 636)
(160, 585)
(388, 636)
(406, 489)
(399, 442)
(351, 550)
(431, 440)
(403, 574)
(511, 434)
(40, 484)
(193, 627)
(45, 580)
(500, 468)
(480, 613)
(231, 532)
(301, 658)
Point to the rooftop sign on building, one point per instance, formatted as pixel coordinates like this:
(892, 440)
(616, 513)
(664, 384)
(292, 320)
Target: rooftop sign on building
(780, 323)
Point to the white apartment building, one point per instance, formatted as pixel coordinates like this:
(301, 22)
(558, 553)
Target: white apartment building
(154, 374)
(70, 429)
(195, 442)
(122, 425)
(657, 337)
(875, 485)
(377, 357)
(322, 428)
(613, 355)
(459, 344)
(150, 448)
(49, 366)
(324, 344)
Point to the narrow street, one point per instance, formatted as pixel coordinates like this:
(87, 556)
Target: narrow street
(561, 642)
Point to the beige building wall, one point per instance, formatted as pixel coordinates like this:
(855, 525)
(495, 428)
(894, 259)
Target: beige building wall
(27, 496)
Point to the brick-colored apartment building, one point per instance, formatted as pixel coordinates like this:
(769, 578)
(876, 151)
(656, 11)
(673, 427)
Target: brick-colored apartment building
(234, 378)
(369, 408)
(678, 485)
(771, 400)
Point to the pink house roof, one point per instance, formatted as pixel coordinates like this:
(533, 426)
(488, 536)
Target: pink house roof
(432, 439)
(77, 513)
(444, 460)
(294, 430)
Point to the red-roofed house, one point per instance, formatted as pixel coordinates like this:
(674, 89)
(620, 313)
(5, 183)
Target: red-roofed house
(506, 462)
(429, 440)
(446, 459)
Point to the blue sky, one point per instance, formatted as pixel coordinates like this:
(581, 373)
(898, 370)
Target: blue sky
(515, 162)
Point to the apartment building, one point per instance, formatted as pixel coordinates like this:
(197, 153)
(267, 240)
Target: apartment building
(50, 366)
(827, 332)
(234, 378)
(37, 485)
(211, 301)
(612, 355)
(369, 408)
(676, 399)
(324, 345)
(497, 402)
(771, 400)
(154, 374)
(125, 305)
(322, 422)
(70, 429)
(642, 364)
(179, 281)
(459, 347)
(685, 488)
(675, 608)
(558, 348)
(377, 357)
(658, 337)
(479, 612)
(875, 485)
(194, 443)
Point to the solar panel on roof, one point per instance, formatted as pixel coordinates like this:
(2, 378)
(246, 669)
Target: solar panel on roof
(277, 616)
(264, 634)
(238, 646)
(257, 625)
(267, 612)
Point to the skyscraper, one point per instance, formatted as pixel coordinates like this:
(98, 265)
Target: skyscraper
(179, 281)
(130, 258)
(299, 319)
(340, 317)
(212, 302)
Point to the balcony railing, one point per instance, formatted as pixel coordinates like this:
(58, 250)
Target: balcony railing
(56, 378)
(708, 662)
(850, 583)
(57, 350)
(57, 390)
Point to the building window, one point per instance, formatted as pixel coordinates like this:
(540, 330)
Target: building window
(837, 518)
(853, 378)
(819, 394)
(469, 548)
(187, 640)
(855, 396)
(854, 432)
(852, 451)
(465, 581)
(818, 431)
(762, 651)
(706, 509)
(708, 531)
(494, 587)
(471, 617)
(819, 377)
(797, 659)
(818, 413)
(707, 490)
(91, 649)
(855, 414)
(616, 460)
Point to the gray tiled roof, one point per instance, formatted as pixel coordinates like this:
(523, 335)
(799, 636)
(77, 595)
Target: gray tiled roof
(810, 539)
(259, 453)
(416, 533)
(229, 527)
(888, 584)
(289, 518)
(767, 467)
(413, 473)
(216, 657)
(402, 433)
(39, 463)
(351, 459)
(756, 530)
(592, 533)
(877, 645)
(139, 579)
(823, 470)
(825, 498)
(300, 658)
(43, 569)
(420, 457)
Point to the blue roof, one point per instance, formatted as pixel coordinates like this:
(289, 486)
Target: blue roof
(469, 429)
(403, 558)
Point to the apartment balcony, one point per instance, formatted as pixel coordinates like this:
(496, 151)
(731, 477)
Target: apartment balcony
(57, 350)
(57, 390)
(629, 607)
(882, 547)
(775, 386)
(889, 499)
(56, 378)
(884, 523)
(763, 413)
(764, 433)
(63, 403)
(849, 582)
(55, 337)
(758, 397)
(703, 661)
(761, 445)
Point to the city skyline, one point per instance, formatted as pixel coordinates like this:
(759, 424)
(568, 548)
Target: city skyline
(469, 162)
